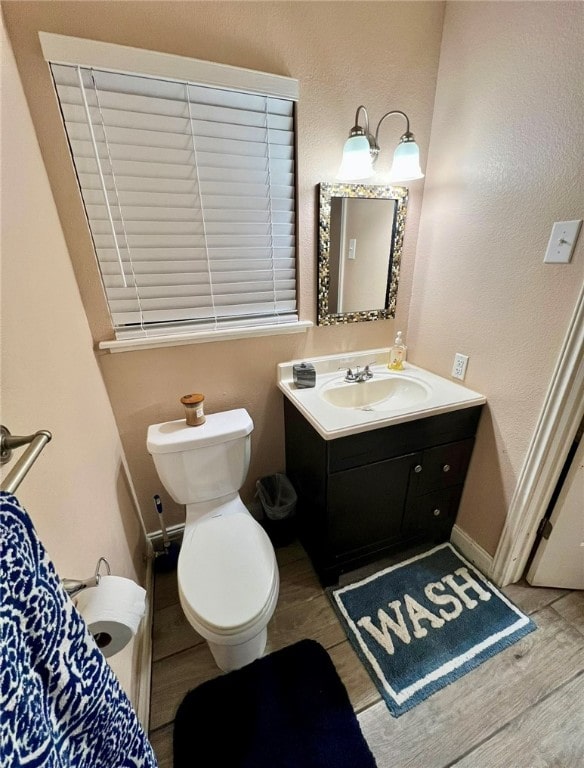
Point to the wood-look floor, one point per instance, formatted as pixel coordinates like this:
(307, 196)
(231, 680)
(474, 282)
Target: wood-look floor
(524, 708)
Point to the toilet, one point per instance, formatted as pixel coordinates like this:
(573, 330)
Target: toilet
(227, 572)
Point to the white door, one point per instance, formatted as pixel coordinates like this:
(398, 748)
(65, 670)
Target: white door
(559, 560)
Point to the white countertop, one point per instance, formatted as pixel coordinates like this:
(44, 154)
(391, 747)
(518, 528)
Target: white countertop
(331, 421)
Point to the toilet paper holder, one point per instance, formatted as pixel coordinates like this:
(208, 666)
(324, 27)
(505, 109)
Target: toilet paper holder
(74, 586)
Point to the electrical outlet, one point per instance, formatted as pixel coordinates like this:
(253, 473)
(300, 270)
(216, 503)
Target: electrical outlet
(459, 367)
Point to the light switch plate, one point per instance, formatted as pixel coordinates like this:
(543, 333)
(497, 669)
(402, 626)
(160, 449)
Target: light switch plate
(562, 241)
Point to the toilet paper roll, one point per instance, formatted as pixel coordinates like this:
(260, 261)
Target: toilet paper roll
(112, 611)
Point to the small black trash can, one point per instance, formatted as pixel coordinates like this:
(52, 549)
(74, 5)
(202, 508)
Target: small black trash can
(278, 499)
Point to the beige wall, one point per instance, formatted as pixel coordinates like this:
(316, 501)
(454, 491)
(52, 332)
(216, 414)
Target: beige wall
(384, 55)
(508, 103)
(506, 161)
(77, 493)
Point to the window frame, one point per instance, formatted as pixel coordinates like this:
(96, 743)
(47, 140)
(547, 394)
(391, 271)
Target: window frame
(61, 49)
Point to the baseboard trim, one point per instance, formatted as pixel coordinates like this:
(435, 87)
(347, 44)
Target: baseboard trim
(143, 654)
(472, 551)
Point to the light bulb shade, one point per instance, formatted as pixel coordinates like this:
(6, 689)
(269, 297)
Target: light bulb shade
(356, 163)
(406, 162)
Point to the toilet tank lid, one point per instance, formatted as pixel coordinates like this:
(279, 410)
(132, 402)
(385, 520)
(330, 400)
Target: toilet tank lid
(172, 436)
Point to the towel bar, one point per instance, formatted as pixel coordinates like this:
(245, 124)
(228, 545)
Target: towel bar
(8, 442)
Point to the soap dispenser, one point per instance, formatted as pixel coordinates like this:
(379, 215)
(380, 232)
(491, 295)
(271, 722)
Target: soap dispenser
(397, 354)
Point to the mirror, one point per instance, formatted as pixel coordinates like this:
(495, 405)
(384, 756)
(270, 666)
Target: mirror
(359, 251)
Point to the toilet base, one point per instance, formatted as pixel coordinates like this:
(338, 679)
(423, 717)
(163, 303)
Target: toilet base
(230, 657)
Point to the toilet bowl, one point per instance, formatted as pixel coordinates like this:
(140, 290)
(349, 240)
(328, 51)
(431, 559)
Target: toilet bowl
(227, 572)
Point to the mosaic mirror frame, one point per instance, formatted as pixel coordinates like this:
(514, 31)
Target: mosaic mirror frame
(327, 191)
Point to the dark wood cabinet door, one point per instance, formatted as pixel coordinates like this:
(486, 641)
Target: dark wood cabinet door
(366, 505)
(441, 467)
(433, 514)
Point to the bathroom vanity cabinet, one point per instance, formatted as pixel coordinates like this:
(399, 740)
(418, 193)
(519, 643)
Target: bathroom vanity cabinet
(367, 495)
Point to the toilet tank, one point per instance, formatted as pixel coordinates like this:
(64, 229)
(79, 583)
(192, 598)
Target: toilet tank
(205, 462)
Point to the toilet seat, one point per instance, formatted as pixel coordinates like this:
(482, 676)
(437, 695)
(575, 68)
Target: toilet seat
(227, 574)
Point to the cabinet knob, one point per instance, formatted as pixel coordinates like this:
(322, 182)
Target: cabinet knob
(436, 512)
(418, 468)
(446, 468)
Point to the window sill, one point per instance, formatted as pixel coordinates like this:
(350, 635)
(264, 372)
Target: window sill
(178, 340)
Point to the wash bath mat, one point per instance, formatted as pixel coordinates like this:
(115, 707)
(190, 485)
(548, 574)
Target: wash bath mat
(419, 625)
(286, 710)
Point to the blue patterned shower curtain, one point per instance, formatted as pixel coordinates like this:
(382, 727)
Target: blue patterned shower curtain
(61, 705)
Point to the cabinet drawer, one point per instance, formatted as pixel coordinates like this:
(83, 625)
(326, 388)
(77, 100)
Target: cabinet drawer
(441, 467)
(412, 436)
(433, 514)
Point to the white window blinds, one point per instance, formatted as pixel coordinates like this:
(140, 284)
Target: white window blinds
(190, 199)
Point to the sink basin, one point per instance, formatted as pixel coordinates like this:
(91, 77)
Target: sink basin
(383, 393)
(337, 408)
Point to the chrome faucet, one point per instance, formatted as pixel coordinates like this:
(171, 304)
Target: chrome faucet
(359, 375)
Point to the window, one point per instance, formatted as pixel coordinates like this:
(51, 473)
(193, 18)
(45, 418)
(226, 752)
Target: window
(188, 189)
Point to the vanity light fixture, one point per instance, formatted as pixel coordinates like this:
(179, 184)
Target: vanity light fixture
(362, 148)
